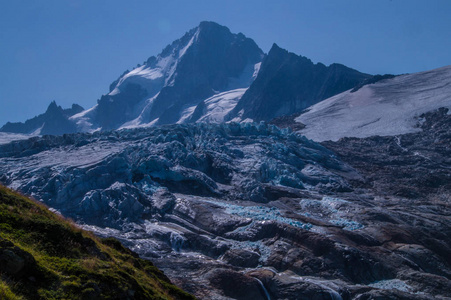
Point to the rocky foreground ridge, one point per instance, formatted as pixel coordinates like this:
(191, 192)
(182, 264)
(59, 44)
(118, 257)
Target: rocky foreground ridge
(251, 211)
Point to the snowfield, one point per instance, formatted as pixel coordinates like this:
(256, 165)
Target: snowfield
(6, 137)
(216, 107)
(161, 73)
(220, 105)
(386, 108)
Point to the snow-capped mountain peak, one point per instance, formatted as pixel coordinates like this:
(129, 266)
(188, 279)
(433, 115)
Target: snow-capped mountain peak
(205, 61)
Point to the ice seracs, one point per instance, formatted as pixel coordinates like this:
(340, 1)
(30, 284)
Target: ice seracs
(6, 137)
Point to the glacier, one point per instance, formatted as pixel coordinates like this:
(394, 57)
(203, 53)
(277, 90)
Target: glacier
(211, 202)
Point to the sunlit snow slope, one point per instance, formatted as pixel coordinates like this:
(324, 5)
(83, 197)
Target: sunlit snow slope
(388, 107)
(213, 109)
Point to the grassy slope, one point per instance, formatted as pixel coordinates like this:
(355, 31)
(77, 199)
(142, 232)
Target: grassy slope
(43, 256)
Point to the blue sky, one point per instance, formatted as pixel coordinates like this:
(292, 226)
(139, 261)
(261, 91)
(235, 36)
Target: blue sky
(71, 50)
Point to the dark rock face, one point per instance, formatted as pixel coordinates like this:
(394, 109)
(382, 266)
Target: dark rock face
(288, 122)
(412, 165)
(242, 258)
(236, 285)
(288, 83)
(372, 80)
(288, 287)
(54, 121)
(113, 111)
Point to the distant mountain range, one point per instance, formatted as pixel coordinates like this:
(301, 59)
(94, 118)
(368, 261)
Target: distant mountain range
(208, 75)
(54, 121)
(212, 75)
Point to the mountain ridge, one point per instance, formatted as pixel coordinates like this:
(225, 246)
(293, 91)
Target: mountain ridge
(55, 120)
(288, 83)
